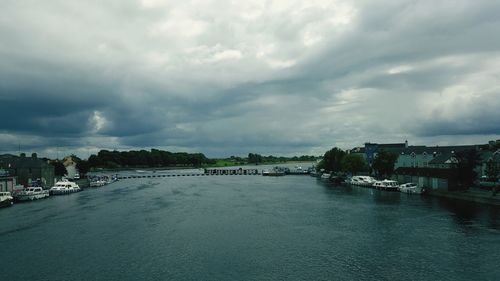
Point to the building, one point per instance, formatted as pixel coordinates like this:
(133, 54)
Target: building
(428, 178)
(487, 156)
(29, 169)
(70, 165)
(7, 182)
(431, 167)
(371, 150)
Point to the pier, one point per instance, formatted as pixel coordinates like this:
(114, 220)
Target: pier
(207, 172)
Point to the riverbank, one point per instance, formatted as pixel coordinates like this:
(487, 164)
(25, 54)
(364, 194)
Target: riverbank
(226, 163)
(472, 195)
(218, 164)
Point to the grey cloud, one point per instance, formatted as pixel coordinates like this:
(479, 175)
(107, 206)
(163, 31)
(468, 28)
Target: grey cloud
(159, 83)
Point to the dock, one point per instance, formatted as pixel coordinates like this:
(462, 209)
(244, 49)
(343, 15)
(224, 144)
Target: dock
(207, 172)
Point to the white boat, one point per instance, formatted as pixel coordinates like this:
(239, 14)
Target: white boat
(410, 188)
(273, 173)
(386, 185)
(6, 199)
(64, 187)
(98, 183)
(325, 176)
(31, 193)
(362, 180)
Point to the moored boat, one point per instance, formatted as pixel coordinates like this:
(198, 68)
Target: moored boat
(325, 176)
(64, 187)
(31, 193)
(362, 180)
(386, 185)
(410, 188)
(273, 173)
(6, 199)
(97, 183)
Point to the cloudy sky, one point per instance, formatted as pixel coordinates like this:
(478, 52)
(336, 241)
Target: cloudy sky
(230, 77)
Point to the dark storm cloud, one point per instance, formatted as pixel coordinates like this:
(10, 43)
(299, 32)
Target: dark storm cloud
(224, 77)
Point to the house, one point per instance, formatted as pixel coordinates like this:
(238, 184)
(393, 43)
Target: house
(7, 182)
(485, 157)
(421, 156)
(29, 169)
(433, 168)
(445, 160)
(70, 164)
(428, 178)
(371, 150)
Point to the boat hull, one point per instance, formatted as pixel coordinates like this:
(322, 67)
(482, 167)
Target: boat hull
(63, 192)
(30, 197)
(6, 203)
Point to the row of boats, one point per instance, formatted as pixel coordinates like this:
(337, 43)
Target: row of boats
(61, 187)
(367, 181)
(31, 193)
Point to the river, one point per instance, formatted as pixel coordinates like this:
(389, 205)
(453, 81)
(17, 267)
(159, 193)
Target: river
(247, 228)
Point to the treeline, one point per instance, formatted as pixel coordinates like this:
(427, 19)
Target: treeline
(337, 160)
(144, 158)
(255, 158)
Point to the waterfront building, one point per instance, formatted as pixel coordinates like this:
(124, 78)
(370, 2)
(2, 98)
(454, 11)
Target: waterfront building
(485, 157)
(371, 150)
(431, 167)
(428, 178)
(70, 165)
(29, 169)
(7, 182)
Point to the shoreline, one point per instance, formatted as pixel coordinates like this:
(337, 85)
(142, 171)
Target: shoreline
(194, 167)
(471, 195)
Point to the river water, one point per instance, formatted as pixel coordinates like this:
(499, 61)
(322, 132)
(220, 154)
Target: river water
(247, 228)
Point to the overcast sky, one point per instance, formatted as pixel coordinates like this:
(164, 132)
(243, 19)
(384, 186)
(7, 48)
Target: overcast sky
(232, 77)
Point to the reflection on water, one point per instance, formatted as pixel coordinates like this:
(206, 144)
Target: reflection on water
(248, 228)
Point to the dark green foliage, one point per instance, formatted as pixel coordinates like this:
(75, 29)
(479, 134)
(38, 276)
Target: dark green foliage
(332, 160)
(254, 158)
(144, 158)
(353, 164)
(492, 170)
(59, 169)
(384, 163)
(467, 161)
(83, 167)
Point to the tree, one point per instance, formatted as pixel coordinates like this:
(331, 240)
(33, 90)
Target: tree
(353, 163)
(59, 169)
(467, 161)
(332, 160)
(492, 170)
(83, 167)
(254, 158)
(384, 163)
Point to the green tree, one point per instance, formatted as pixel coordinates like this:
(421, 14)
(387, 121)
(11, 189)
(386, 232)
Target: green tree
(384, 163)
(492, 170)
(332, 160)
(254, 158)
(83, 167)
(59, 169)
(353, 164)
(467, 161)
